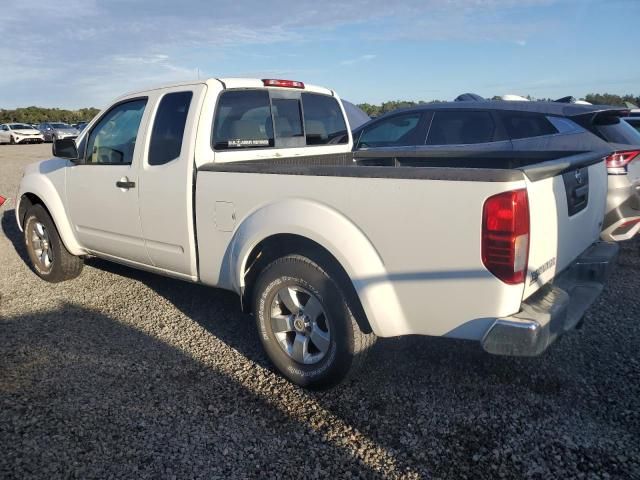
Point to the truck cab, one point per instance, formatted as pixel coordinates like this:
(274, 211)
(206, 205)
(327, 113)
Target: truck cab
(137, 160)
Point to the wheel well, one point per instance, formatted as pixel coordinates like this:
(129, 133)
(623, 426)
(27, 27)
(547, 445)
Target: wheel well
(27, 201)
(276, 246)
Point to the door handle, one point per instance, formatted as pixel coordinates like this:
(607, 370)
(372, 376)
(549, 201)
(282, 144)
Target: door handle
(126, 184)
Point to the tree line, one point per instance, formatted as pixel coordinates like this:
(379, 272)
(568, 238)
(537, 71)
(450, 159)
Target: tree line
(595, 98)
(39, 114)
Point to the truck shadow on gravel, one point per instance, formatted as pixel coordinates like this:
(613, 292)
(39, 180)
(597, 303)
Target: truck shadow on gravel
(84, 395)
(11, 231)
(423, 407)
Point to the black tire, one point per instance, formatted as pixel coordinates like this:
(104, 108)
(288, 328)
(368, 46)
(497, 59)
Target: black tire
(347, 344)
(58, 264)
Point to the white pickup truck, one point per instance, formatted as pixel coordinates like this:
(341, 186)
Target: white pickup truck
(250, 185)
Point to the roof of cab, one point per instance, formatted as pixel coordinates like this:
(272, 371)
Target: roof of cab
(228, 83)
(258, 83)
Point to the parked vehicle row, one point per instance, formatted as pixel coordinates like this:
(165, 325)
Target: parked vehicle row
(15, 133)
(463, 221)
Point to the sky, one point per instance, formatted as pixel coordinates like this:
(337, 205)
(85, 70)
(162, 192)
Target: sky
(81, 53)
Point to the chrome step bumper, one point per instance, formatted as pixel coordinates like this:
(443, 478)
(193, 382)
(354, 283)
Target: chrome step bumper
(555, 308)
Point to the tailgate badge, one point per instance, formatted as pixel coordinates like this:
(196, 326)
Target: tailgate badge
(535, 275)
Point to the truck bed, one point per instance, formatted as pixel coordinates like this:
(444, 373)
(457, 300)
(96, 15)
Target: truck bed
(408, 234)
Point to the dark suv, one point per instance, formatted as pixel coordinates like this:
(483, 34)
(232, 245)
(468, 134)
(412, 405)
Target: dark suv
(534, 127)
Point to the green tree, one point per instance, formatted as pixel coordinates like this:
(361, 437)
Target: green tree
(39, 114)
(612, 99)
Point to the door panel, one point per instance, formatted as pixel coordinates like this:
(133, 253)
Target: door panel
(166, 184)
(102, 191)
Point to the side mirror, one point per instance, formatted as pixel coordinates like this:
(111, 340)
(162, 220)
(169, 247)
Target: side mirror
(65, 148)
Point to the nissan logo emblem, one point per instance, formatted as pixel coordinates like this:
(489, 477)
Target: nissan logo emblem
(579, 178)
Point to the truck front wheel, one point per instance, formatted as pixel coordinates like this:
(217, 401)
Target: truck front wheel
(50, 259)
(305, 324)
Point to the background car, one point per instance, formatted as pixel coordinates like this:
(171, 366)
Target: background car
(634, 122)
(19, 133)
(81, 126)
(355, 114)
(53, 131)
(499, 127)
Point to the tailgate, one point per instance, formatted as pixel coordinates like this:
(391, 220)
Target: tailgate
(567, 204)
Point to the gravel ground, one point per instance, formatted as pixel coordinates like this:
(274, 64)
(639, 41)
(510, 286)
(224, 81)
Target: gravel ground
(125, 374)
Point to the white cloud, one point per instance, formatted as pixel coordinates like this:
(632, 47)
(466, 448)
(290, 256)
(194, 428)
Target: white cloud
(360, 59)
(88, 50)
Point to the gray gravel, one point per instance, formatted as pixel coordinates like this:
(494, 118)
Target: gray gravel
(125, 374)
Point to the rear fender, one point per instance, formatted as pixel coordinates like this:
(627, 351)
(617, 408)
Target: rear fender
(339, 236)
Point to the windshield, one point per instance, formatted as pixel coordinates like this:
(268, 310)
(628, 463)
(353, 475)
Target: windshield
(60, 125)
(20, 126)
(619, 132)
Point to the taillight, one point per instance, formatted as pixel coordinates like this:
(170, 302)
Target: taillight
(617, 162)
(505, 235)
(2, 200)
(272, 82)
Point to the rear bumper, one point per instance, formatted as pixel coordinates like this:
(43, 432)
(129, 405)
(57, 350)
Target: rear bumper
(623, 210)
(555, 308)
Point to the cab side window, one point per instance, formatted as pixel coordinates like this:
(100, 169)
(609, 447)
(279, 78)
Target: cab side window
(168, 128)
(113, 139)
(396, 131)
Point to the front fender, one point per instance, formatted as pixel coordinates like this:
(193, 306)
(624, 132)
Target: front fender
(338, 235)
(46, 181)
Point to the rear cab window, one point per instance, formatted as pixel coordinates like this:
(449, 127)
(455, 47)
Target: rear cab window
(276, 118)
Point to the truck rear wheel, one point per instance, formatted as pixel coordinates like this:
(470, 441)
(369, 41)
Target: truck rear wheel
(50, 259)
(305, 324)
